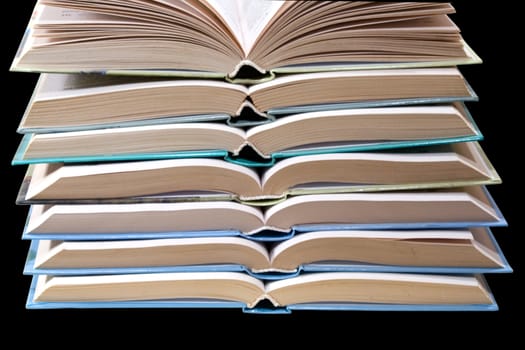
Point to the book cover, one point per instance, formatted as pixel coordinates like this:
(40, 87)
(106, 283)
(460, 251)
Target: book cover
(477, 200)
(488, 305)
(30, 267)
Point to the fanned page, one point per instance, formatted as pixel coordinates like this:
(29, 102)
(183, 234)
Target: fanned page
(147, 31)
(247, 19)
(172, 37)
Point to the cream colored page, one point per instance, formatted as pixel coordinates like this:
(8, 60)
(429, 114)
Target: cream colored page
(216, 285)
(56, 86)
(393, 235)
(197, 9)
(181, 6)
(247, 19)
(378, 276)
(46, 85)
(67, 16)
(296, 78)
(255, 16)
(228, 10)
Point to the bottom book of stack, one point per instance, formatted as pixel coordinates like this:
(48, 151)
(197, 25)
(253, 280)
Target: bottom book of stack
(401, 269)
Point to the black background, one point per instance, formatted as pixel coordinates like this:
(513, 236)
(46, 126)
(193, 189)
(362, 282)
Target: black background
(487, 27)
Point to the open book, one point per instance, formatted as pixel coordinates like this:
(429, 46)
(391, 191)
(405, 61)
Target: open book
(329, 287)
(297, 134)
(340, 250)
(462, 207)
(450, 165)
(65, 102)
(222, 37)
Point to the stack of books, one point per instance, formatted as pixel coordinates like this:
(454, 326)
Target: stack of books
(266, 155)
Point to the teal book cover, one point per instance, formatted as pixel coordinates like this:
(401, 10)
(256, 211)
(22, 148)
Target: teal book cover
(208, 179)
(336, 251)
(318, 132)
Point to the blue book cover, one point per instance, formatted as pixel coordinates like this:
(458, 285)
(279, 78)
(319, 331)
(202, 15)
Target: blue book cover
(145, 254)
(446, 295)
(437, 209)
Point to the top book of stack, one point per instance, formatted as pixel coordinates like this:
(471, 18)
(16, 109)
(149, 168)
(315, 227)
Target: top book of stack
(240, 41)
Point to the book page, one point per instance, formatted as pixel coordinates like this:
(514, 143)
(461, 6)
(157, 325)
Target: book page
(69, 16)
(161, 286)
(396, 288)
(408, 235)
(152, 252)
(61, 86)
(255, 17)
(246, 19)
(183, 6)
(228, 10)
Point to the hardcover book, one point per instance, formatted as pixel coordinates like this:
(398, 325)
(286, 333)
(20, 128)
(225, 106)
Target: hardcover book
(463, 251)
(454, 165)
(220, 38)
(458, 207)
(314, 291)
(267, 155)
(347, 130)
(66, 102)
